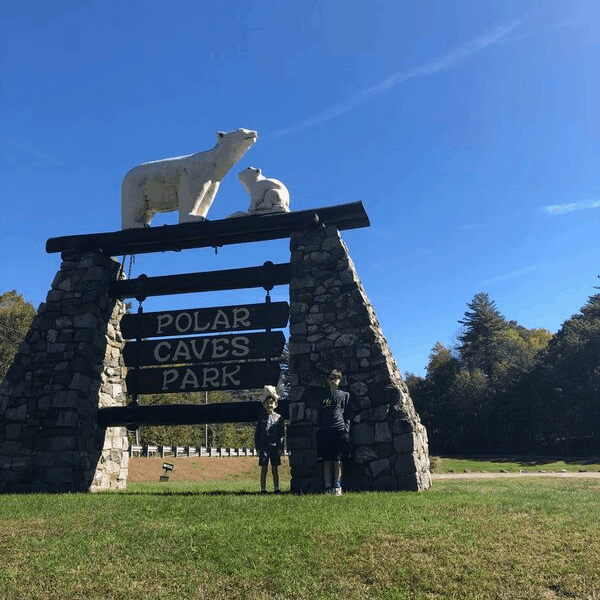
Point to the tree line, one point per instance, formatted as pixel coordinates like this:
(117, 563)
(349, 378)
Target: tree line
(503, 388)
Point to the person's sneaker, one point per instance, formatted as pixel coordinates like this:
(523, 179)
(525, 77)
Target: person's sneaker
(338, 491)
(264, 492)
(277, 492)
(329, 490)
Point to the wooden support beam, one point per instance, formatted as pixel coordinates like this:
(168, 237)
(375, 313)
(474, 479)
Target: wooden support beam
(206, 234)
(267, 276)
(184, 414)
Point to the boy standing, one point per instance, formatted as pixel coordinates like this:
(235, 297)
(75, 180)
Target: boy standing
(333, 440)
(268, 438)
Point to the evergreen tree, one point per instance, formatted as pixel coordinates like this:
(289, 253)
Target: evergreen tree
(565, 385)
(480, 346)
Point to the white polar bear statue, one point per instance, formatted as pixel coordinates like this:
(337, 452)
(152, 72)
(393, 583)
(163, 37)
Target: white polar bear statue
(266, 195)
(186, 183)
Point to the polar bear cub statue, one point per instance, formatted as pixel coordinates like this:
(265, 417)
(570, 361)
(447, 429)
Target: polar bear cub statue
(266, 195)
(187, 184)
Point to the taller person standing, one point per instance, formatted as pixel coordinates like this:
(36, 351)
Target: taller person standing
(333, 434)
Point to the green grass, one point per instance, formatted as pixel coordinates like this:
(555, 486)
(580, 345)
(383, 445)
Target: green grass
(533, 538)
(495, 465)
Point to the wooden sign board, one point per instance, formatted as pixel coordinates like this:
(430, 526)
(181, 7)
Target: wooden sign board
(196, 321)
(185, 414)
(208, 348)
(195, 378)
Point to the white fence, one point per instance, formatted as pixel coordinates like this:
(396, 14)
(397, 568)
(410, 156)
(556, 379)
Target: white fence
(189, 451)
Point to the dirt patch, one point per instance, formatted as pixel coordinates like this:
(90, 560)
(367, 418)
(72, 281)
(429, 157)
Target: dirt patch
(193, 469)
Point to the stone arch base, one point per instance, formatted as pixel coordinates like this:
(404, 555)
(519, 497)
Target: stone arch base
(333, 325)
(69, 365)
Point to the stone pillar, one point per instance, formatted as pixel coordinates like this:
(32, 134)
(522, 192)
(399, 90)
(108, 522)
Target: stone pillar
(68, 365)
(333, 325)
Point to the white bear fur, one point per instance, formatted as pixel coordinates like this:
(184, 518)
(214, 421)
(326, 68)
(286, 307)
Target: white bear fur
(266, 195)
(186, 183)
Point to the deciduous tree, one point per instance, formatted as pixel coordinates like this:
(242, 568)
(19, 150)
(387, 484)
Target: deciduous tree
(16, 315)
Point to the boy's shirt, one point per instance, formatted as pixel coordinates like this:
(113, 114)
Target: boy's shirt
(334, 412)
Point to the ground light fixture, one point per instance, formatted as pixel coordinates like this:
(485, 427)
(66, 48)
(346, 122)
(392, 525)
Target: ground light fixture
(168, 467)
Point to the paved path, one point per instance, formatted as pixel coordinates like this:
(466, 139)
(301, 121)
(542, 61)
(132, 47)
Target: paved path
(448, 476)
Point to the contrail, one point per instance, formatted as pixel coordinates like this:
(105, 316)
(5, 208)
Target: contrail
(447, 61)
(563, 209)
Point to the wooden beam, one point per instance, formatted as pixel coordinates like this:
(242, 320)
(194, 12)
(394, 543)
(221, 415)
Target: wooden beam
(265, 276)
(206, 234)
(241, 317)
(201, 377)
(184, 414)
(208, 348)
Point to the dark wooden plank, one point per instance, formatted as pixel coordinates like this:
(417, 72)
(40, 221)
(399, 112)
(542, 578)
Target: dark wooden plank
(206, 234)
(185, 414)
(209, 281)
(243, 317)
(204, 349)
(195, 378)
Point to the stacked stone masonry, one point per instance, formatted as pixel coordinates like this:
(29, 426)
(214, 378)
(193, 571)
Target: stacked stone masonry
(68, 366)
(333, 325)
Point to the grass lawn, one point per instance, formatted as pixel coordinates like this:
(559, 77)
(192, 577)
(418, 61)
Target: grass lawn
(530, 538)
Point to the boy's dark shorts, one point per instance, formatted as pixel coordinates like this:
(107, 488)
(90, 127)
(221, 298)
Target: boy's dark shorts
(268, 454)
(332, 445)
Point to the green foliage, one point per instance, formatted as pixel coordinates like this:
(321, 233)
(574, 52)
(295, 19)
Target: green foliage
(506, 388)
(16, 315)
(565, 385)
(234, 435)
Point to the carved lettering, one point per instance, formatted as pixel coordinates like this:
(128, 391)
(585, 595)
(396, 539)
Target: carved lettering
(197, 326)
(169, 376)
(240, 346)
(241, 317)
(221, 321)
(182, 352)
(205, 320)
(163, 321)
(162, 358)
(183, 322)
(219, 348)
(229, 374)
(189, 379)
(200, 354)
(210, 377)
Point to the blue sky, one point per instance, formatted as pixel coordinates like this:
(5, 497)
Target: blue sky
(470, 131)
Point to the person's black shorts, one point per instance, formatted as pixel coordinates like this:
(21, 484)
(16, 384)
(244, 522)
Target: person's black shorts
(332, 445)
(268, 454)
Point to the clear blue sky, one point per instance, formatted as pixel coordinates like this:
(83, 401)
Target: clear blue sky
(469, 129)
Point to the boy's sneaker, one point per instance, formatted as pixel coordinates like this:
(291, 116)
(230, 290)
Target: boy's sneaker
(329, 490)
(338, 491)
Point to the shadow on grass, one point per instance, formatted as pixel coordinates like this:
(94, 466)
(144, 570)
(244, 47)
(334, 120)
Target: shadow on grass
(201, 493)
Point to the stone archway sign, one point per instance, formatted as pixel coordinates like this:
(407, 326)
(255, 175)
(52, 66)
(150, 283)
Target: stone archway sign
(70, 366)
(63, 403)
